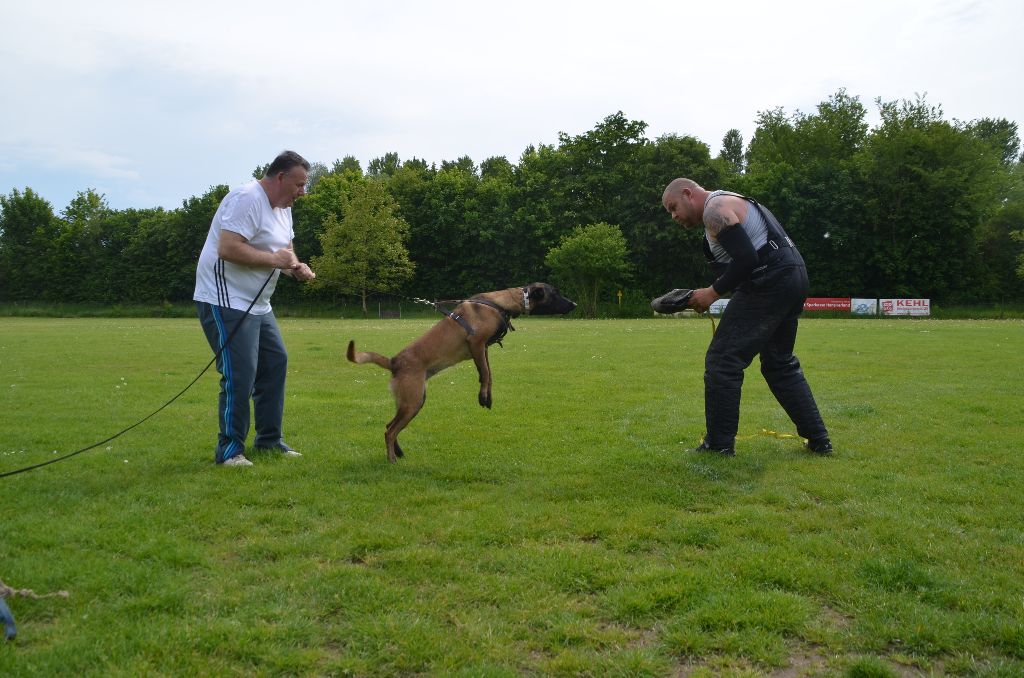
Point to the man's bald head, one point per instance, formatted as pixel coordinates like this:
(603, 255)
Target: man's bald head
(677, 185)
(684, 200)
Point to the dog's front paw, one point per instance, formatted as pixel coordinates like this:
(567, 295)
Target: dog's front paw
(485, 399)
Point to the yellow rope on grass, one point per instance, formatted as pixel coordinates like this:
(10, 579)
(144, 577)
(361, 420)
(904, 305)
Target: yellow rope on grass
(765, 431)
(772, 434)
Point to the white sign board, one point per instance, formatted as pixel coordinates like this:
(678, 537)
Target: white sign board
(905, 306)
(864, 306)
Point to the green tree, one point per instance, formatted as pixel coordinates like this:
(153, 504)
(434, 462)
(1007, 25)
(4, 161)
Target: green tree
(1018, 236)
(504, 259)
(385, 165)
(1001, 135)
(364, 251)
(805, 169)
(348, 164)
(537, 208)
(317, 170)
(163, 248)
(28, 232)
(1001, 254)
(187, 229)
(600, 167)
(497, 167)
(328, 197)
(145, 257)
(463, 164)
(591, 259)
(663, 254)
(732, 151)
(409, 186)
(928, 187)
(82, 250)
(445, 241)
(1001, 244)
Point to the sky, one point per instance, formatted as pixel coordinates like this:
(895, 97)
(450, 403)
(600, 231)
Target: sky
(150, 103)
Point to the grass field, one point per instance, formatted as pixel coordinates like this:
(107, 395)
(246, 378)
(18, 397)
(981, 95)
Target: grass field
(565, 532)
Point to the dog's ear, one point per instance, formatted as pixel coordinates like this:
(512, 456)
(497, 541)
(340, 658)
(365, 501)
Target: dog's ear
(536, 292)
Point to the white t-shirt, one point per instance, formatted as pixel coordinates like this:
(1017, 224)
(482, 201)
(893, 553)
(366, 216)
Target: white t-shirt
(247, 212)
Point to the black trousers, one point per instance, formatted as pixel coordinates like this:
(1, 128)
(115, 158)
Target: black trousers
(761, 319)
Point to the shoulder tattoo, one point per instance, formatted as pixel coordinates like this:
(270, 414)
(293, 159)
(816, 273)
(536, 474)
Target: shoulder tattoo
(716, 220)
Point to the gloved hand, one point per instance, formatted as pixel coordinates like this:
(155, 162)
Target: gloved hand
(672, 302)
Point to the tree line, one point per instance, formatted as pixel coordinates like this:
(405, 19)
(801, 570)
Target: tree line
(916, 206)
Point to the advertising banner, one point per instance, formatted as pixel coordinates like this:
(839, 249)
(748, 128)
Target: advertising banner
(864, 306)
(718, 307)
(906, 306)
(827, 304)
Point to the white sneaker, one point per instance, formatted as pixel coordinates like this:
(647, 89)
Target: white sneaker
(281, 448)
(285, 450)
(237, 460)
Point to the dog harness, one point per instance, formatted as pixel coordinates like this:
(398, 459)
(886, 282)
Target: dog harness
(503, 328)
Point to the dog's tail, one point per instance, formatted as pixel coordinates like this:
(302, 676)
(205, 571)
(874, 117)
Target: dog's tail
(361, 357)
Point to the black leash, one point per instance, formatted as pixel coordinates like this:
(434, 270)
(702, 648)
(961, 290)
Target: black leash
(162, 407)
(435, 304)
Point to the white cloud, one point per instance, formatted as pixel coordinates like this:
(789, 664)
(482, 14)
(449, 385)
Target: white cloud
(153, 99)
(63, 159)
(91, 161)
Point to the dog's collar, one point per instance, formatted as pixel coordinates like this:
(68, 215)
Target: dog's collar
(526, 301)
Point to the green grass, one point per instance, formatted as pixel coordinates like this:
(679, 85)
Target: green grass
(565, 532)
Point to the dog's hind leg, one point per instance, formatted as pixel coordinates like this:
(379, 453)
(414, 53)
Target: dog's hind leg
(410, 394)
(398, 448)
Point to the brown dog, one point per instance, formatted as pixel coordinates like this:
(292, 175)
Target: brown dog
(467, 332)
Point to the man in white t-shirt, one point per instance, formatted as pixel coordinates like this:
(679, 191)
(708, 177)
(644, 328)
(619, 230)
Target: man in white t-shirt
(249, 245)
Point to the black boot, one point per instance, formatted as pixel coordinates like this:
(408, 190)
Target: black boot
(791, 389)
(722, 417)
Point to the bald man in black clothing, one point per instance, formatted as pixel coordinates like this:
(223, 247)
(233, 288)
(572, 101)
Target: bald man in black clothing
(760, 265)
